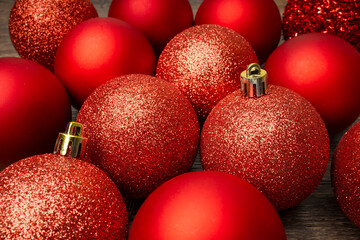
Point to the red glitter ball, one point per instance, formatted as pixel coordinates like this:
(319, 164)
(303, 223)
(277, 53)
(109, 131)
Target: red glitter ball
(277, 142)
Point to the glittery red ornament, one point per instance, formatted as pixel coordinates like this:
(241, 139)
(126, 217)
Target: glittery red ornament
(142, 132)
(320, 67)
(98, 50)
(34, 107)
(159, 20)
(205, 62)
(258, 21)
(341, 18)
(278, 142)
(206, 205)
(37, 26)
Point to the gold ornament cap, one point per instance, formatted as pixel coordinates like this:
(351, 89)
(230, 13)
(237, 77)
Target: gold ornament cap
(254, 81)
(72, 141)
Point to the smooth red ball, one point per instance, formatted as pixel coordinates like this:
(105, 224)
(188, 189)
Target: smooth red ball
(34, 108)
(277, 142)
(258, 21)
(158, 20)
(37, 27)
(205, 63)
(98, 50)
(142, 131)
(206, 205)
(321, 68)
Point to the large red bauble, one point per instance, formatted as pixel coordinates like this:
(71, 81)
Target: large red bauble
(98, 50)
(345, 174)
(205, 63)
(274, 142)
(142, 131)
(34, 107)
(159, 20)
(317, 67)
(50, 196)
(38, 26)
(206, 205)
(258, 21)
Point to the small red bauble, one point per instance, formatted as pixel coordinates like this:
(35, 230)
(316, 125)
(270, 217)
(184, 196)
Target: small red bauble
(98, 50)
(34, 107)
(142, 131)
(159, 20)
(37, 26)
(320, 68)
(205, 62)
(258, 21)
(206, 205)
(345, 174)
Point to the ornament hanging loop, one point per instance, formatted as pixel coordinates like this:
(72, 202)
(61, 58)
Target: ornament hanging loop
(253, 81)
(72, 140)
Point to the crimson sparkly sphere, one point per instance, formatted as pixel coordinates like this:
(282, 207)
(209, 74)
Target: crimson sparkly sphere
(205, 62)
(320, 67)
(38, 26)
(34, 107)
(258, 21)
(142, 131)
(206, 205)
(159, 20)
(98, 50)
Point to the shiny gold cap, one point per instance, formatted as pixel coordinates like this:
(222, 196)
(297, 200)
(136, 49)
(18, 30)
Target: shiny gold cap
(253, 81)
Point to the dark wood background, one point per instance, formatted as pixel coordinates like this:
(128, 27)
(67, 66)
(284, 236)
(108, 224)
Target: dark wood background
(317, 217)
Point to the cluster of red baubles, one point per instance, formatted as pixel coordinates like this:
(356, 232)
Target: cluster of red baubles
(151, 88)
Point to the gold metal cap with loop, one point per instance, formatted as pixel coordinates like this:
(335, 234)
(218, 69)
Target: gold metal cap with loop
(253, 81)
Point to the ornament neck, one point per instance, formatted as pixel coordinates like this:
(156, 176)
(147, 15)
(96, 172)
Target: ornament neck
(254, 81)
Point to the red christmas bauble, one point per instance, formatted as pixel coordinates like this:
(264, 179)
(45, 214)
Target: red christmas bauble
(98, 50)
(258, 21)
(50, 196)
(142, 131)
(320, 68)
(38, 26)
(206, 205)
(205, 62)
(34, 107)
(159, 20)
(345, 174)
(340, 18)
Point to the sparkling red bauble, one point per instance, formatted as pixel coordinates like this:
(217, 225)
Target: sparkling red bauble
(34, 107)
(340, 18)
(50, 196)
(142, 131)
(258, 21)
(277, 142)
(37, 26)
(345, 174)
(206, 205)
(205, 63)
(98, 50)
(321, 68)
(159, 20)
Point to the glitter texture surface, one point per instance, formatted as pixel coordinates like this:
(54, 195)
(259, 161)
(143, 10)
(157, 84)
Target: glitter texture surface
(205, 62)
(54, 197)
(277, 142)
(37, 26)
(338, 17)
(142, 131)
(345, 174)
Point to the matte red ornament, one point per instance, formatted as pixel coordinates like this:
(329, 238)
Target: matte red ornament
(142, 131)
(341, 18)
(345, 174)
(206, 205)
(158, 20)
(258, 21)
(38, 26)
(98, 50)
(277, 142)
(34, 107)
(205, 62)
(320, 67)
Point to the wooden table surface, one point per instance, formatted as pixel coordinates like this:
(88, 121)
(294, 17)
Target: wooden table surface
(317, 217)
